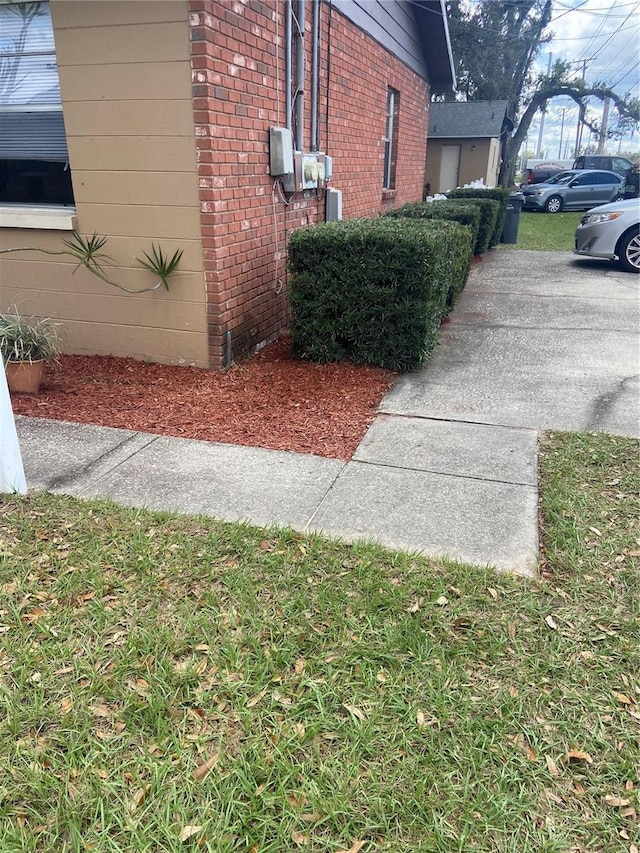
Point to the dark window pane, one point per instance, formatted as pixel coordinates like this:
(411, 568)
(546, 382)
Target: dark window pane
(35, 182)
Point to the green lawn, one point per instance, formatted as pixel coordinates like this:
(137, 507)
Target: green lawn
(549, 232)
(173, 683)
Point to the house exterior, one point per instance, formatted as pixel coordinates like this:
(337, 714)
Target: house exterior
(464, 143)
(175, 123)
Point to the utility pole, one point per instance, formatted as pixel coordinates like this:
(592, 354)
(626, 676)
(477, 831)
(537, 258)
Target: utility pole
(603, 128)
(561, 135)
(539, 149)
(581, 110)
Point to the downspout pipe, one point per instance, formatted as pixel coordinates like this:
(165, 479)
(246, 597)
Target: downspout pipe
(315, 75)
(299, 99)
(287, 62)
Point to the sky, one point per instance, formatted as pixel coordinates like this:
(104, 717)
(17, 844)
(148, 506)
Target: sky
(603, 37)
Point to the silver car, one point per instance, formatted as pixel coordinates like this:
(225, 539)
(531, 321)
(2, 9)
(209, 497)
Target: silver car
(612, 231)
(575, 189)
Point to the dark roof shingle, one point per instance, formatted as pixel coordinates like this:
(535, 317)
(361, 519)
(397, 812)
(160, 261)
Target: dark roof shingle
(466, 118)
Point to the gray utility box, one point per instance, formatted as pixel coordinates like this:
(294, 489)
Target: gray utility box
(512, 219)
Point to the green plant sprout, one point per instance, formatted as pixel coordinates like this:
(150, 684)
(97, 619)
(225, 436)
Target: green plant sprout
(87, 251)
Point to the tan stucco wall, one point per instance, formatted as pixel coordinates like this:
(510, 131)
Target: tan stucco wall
(479, 159)
(125, 79)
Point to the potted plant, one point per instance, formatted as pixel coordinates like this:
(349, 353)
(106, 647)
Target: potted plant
(26, 343)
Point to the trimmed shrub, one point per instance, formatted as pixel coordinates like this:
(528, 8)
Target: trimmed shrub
(372, 290)
(489, 211)
(499, 194)
(466, 214)
(438, 211)
(462, 243)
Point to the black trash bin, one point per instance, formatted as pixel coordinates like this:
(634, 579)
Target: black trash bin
(512, 219)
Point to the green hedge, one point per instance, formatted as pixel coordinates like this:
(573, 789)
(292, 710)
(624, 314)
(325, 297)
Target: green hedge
(461, 242)
(373, 290)
(499, 194)
(489, 212)
(466, 214)
(433, 212)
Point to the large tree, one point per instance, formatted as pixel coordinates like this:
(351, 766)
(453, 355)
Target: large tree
(495, 45)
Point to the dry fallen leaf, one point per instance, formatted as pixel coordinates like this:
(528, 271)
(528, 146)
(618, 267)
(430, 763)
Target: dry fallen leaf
(255, 699)
(189, 831)
(299, 666)
(281, 698)
(615, 802)
(355, 847)
(624, 699)
(203, 769)
(300, 837)
(577, 755)
(138, 798)
(512, 631)
(356, 712)
(442, 601)
(553, 769)
(310, 817)
(66, 705)
(551, 622)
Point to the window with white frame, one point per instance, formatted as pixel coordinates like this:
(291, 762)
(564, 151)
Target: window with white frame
(34, 162)
(390, 140)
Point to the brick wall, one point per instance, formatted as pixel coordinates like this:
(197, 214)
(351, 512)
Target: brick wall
(237, 49)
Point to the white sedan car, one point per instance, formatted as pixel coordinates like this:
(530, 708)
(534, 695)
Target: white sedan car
(612, 231)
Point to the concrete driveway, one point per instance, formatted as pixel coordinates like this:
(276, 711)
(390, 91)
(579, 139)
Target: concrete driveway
(538, 340)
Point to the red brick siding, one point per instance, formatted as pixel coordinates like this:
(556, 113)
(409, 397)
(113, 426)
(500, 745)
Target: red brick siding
(238, 93)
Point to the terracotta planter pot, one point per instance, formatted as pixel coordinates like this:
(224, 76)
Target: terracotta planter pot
(23, 377)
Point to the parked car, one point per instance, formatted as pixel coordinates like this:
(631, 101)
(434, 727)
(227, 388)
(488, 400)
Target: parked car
(612, 231)
(632, 181)
(602, 161)
(537, 176)
(574, 189)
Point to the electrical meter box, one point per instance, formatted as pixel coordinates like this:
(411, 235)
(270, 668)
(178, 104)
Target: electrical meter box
(280, 151)
(309, 172)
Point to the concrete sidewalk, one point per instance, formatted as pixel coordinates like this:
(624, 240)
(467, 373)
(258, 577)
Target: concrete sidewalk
(448, 467)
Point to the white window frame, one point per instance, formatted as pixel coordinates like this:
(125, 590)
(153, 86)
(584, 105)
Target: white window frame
(389, 177)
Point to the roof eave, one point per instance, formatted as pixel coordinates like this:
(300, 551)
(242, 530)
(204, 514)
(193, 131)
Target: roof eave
(433, 28)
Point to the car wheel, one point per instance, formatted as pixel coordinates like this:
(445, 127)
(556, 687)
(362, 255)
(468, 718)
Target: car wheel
(628, 250)
(553, 204)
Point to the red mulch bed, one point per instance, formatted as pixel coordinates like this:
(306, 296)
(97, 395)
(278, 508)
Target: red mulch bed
(269, 401)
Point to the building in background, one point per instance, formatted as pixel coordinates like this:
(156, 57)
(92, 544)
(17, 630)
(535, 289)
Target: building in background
(465, 140)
